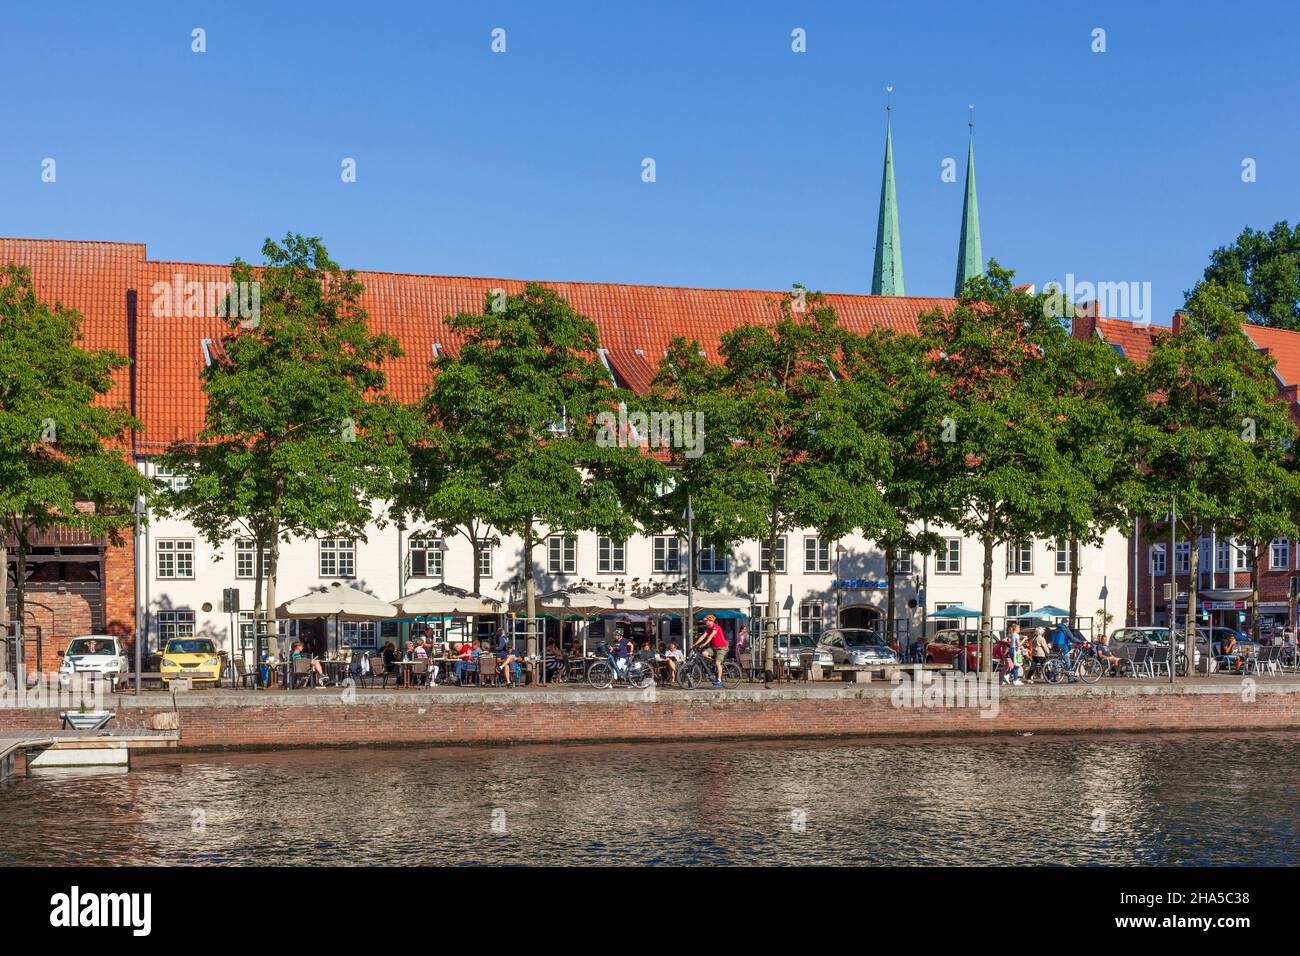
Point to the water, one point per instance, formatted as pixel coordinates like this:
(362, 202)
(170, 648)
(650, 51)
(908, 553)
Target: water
(1104, 799)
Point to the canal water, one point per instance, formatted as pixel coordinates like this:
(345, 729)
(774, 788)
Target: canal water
(1215, 798)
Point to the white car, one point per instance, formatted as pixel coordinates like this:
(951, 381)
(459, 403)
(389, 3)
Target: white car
(93, 654)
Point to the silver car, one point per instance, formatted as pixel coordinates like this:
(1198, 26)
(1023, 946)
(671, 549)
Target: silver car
(790, 647)
(100, 654)
(857, 646)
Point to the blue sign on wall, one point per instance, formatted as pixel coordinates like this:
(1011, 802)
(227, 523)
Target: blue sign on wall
(858, 584)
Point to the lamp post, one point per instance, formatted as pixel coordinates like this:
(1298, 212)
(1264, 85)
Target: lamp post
(137, 511)
(840, 551)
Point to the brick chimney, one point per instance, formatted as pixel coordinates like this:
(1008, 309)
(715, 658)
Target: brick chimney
(1179, 316)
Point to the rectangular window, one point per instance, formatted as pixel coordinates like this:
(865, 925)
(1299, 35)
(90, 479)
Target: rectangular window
(1242, 555)
(1020, 557)
(816, 556)
(948, 558)
(173, 624)
(1016, 610)
(1222, 555)
(903, 561)
(338, 557)
(711, 559)
(358, 633)
(1063, 556)
(1280, 555)
(945, 624)
(1183, 557)
(175, 558)
(810, 618)
(1157, 559)
(561, 554)
(245, 553)
(246, 628)
(765, 555)
(426, 557)
(667, 555)
(485, 562)
(167, 478)
(611, 556)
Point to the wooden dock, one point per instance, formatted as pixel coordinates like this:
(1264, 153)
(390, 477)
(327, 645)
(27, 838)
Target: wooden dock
(36, 743)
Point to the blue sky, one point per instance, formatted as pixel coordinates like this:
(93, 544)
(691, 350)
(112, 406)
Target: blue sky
(1115, 166)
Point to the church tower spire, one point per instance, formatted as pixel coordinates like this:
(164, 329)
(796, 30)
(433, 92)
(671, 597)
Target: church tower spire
(970, 257)
(887, 276)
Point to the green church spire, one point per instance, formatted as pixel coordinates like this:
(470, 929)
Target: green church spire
(887, 277)
(970, 257)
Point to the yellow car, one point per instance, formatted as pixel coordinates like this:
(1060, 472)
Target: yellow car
(192, 657)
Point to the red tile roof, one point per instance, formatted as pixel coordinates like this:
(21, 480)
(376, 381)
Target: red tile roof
(1283, 346)
(635, 323)
(1135, 340)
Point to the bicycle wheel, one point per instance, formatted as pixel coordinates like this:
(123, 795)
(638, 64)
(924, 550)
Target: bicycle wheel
(690, 675)
(731, 675)
(600, 674)
(639, 675)
(1053, 670)
(1089, 670)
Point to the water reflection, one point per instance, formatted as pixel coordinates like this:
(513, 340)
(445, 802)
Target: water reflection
(1205, 798)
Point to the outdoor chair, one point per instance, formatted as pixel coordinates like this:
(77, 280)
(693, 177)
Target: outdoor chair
(302, 673)
(377, 669)
(242, 673)
(420, 672)
(1264, 660)
(487, 669)
(1140, 659)
(1157, 661)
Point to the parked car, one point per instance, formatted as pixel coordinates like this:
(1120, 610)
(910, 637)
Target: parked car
(789, 647)
(1214, 636)
(960, 648)
(857, 646)
(1124, 639)
(100, 654)
(192, 657)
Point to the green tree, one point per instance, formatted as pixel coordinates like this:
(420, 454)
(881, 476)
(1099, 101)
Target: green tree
(298, 438)
(996, 449)
(784, 446)
(1265, 268)
(515, 417)
(1211, 434)
(66, 461)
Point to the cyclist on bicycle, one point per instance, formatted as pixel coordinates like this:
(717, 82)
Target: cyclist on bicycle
(621, 652)
(713, 643)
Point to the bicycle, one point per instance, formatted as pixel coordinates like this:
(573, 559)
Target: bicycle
(699, 670)
(1078, 662)
(604, 673)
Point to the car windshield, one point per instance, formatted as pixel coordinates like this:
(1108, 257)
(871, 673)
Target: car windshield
(89, 645)
(193, 645)
(863, 639)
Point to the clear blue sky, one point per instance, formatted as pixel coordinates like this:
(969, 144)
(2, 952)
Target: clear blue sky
(1118, 166)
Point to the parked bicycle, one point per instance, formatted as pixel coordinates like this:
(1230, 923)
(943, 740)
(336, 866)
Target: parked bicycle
(1080, 663)
(605, 673)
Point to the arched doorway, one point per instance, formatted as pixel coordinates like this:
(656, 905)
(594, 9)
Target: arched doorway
(861, 616)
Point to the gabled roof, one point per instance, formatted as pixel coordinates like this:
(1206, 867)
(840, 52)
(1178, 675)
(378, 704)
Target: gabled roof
(1283, 346)
(1135, 340)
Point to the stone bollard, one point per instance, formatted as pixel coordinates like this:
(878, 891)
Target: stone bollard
(167, 720)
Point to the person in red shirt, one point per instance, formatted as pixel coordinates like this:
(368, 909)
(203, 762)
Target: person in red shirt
(715, 645)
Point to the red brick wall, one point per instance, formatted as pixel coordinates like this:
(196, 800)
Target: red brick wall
(60, 618)
(119, 588)
(411, 719)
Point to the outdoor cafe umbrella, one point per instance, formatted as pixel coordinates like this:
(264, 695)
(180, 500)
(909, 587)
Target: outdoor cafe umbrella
(585, 600)
(342, 602)
(1048, 611)
(956, 611)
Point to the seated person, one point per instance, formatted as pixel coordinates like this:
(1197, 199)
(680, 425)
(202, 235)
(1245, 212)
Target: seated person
(646, 653)
(1102, 650)
(300, 652)
(674, 656)
(468, 659)
(554, 661)
(508, 661)
(1232, 656)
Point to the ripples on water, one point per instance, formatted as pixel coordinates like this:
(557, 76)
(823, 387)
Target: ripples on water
(1190, 799)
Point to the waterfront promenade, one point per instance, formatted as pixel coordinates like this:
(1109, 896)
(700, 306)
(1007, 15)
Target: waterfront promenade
(453, 716)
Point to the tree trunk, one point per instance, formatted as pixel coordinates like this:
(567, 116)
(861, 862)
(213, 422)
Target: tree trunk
(530, 588)
(258, 573)
(891, 563)
(272, 571)
(1189, 625)
(4, 581)
(769, 637)
(477, 547)
(20, 606)
(1254, 591)
(1074, 582)
(986, 609)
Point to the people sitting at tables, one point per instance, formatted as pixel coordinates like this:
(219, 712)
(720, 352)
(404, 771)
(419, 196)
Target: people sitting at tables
(390, 655)
(674, 656)
(468, 659)
(646, 653)
(1104, 655)
(300, 652)
(508, 662)
(554, 660)
(1231, 654)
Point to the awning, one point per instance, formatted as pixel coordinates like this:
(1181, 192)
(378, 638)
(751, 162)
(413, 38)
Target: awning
(1225, 594)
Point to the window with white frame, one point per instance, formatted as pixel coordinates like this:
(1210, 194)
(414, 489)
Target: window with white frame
(174, 624)
(1157, 559)
(167, 478)
(338, 557)
(246, 563)
(426, 557)
(667, 555)
(903, 561)
(175, 558)
(711, 559)
(816, 555)
(1063, 556)
(948, 558)
(485, 561)
(358, 633)
(246, 634)
(1020, 557)
(810, 618)
(1241, 551)
(945, 623)
(765, 555)
(611, 556)
(1183, 557)
(1222, 555)
(1017, 610)
(1280, 554)
(561, 554)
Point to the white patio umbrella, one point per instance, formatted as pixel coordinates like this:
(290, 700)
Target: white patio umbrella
(676, 600)
(342, 602)
(583, 600)
(446, 600)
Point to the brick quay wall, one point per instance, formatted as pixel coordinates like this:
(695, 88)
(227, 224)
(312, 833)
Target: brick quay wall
(213, 719)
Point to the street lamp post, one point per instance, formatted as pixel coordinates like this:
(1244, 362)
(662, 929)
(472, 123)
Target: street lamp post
(840, 551)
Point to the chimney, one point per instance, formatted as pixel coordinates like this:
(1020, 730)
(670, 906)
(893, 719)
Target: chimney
(1179, 315)
(1084, 325)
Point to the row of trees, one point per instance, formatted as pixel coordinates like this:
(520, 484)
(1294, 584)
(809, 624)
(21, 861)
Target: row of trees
(992, 419)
